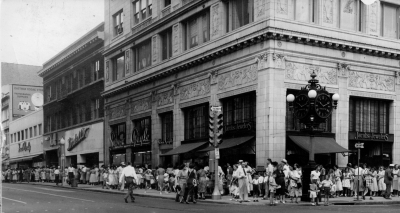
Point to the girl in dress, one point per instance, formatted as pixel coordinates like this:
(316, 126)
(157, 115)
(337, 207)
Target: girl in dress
(381, 183)
(374, 185)
(15, 175)
(346, 182)
(93, 177)
(37, 174)
(111, 178)
(52, 175)
(106, 182)
(47, 170)
(101, 178)
(43, 174)
(88, 175)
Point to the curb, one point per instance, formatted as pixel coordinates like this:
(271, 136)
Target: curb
(215, 202)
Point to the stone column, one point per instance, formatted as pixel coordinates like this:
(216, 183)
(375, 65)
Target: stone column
(155, 131)
(342, 113)
(217, 20)
(128, 136)
(177, 40)
(106, 136)
(271, 108)
(396, 129)
(178, 122)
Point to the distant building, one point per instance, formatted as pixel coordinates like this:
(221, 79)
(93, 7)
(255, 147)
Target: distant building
(73, 106)
(168, 61)
(20, 74)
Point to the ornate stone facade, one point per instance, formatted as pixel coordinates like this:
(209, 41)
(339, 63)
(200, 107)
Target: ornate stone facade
(175, 39)
(127, 61)
(372, 81)
(261, 60)
(373, 17)
(279, 60)
(196, 89)
(215, 20)
(141, 105)
(117, 112)
(165, 98)
(328, 11)
(239, 77)
(260, 7)
(349, 6)
(281, 6)
(301, 72)
(343, 70)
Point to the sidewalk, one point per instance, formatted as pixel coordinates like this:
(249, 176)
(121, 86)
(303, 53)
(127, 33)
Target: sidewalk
(227, 199)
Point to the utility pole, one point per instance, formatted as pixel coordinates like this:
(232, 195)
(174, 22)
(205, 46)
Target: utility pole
(215, 129)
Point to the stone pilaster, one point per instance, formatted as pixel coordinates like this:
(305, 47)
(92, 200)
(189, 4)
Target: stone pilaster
(341, 119)
(155, 49)
(396, 117)
(177, 39)
(271, 108)
(106, 136)
(128, 136)
(328, 13)
(217, 20)
(371, 18)
(128, 62)
(179, 124)
(155, 131)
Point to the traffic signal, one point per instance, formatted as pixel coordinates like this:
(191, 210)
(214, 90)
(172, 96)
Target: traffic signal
(220, 126)
(211, 129)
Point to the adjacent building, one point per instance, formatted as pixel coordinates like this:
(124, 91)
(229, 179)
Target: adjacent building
(73, 107)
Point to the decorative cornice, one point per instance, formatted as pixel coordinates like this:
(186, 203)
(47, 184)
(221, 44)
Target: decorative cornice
(268, 33)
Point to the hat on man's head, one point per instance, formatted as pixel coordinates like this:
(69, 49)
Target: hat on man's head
(391, 165)
(123, 163)
(240, 161)
(284, 160)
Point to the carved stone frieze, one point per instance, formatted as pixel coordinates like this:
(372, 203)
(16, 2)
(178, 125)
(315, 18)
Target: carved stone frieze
(196, 89)
(215, 20)
(214, 77)
(238, 77)
(165, 98)
(282, 6)
(301, 72)
(397, 77)
(117, 112)
(141, 105)
(279, 60)
(328, 11)
(259, 6)
(371, 81)
(343, 70)
(261, 60)
(349, 6)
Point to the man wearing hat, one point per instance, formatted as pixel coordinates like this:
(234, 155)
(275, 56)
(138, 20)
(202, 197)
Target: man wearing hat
(388, 181)
(242, 180)
(129, 176)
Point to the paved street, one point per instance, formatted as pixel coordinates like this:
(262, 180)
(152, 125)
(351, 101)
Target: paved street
(35, 198)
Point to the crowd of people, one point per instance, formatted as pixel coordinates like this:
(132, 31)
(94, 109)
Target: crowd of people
(276, 183)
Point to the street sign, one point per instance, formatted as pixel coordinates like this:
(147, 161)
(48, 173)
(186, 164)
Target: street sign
(359, 145)
(216, 108)
(216, 153)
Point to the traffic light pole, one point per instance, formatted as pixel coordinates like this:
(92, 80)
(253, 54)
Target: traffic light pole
(216, 195)
(215, 128)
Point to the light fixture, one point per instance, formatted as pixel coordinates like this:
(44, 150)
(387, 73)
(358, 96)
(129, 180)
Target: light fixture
(290, 98)
(62, 141)
(312, 118)
(312, 93)
(335, 99)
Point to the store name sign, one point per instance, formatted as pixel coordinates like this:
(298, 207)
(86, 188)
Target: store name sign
(73, 142)
(23, 147)
(371, 136)
(239, 126)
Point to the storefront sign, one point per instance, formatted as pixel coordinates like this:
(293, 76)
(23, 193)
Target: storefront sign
(73, 142)
(239, 126)
(141, 133)
(161, 142)
(371, 136)
(25, 146)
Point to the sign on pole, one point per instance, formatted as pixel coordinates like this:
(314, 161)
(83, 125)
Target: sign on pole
(359, 145)
(216, 153)
(216, 108)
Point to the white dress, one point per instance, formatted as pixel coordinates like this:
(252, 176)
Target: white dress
(338, 175)
(381, 183)
(346, 180)
(395, 184)
(374, 186)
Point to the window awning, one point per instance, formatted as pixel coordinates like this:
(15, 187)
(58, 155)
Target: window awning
(184, 148)
(228, 143)
(25, 158)
(322, 144)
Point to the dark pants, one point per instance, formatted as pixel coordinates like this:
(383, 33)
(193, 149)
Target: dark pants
(130, 185)
(189, 193)
(70, 177)
(57, 179)
(388, 189)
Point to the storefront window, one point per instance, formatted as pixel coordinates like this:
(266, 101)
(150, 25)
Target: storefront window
(369, 115)
(195, 122)
(167, 127)
(141, 133)
(118, 134)
(240, 113)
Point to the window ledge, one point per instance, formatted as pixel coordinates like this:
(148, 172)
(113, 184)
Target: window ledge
(117, 36)
(145, 23)
(166, 11)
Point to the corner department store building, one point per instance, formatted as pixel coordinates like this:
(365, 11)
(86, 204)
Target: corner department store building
(167, 61)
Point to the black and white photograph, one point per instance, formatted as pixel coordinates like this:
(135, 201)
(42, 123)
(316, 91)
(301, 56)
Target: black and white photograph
(203, 106)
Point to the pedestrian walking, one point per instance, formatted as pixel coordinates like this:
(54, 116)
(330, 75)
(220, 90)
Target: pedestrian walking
(191, 184)
(128, 176)
(358, 180)
(346, 182)
(57, 175)
(381, 181)
(93, 178)
(160, 178)
(182, 179)
(338, 180)
(272, 188)
(242, 180)
(327, 184)
(388, 179)
(71, 170)
(395, 184)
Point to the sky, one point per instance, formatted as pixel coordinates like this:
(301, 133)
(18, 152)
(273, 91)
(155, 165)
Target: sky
(33, 31)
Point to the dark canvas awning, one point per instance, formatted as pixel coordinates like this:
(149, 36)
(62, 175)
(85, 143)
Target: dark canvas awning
(322, 144)
(184, 148)
(26, 158)
(228, 143)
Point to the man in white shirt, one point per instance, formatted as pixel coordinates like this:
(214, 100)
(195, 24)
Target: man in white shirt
(242, 180)
(84, 170)
(57, 175)
(128, 175)
(358, 180)
(71, 177)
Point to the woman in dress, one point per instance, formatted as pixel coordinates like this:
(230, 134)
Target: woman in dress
(295, 182)
(42, 174)
(381, 183)
(21, 175)
(52, 175)
(97, 175)
(160, 178)
(101, 178)
(374, 186)
(15, 175)
(338, 177)
(182, 180)
(395, 183)
(346, 182)
(280, 180)
(48, 174)
(202, 179)
(111, 177)
(191, 183)
(87, 175)
(93, 176)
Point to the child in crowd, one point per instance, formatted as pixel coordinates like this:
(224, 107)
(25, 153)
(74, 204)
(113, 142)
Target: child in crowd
(178, 192)
(272, 189)
(256, 190)
(313, 192)
(346, 182)
(261, 184)
(166, 182)
(172, 183)
(266, 185)
(105, 177)
(327, 184)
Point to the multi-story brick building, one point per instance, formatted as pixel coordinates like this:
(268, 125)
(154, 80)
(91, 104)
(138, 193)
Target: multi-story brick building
(168, 61)
(73, 107)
